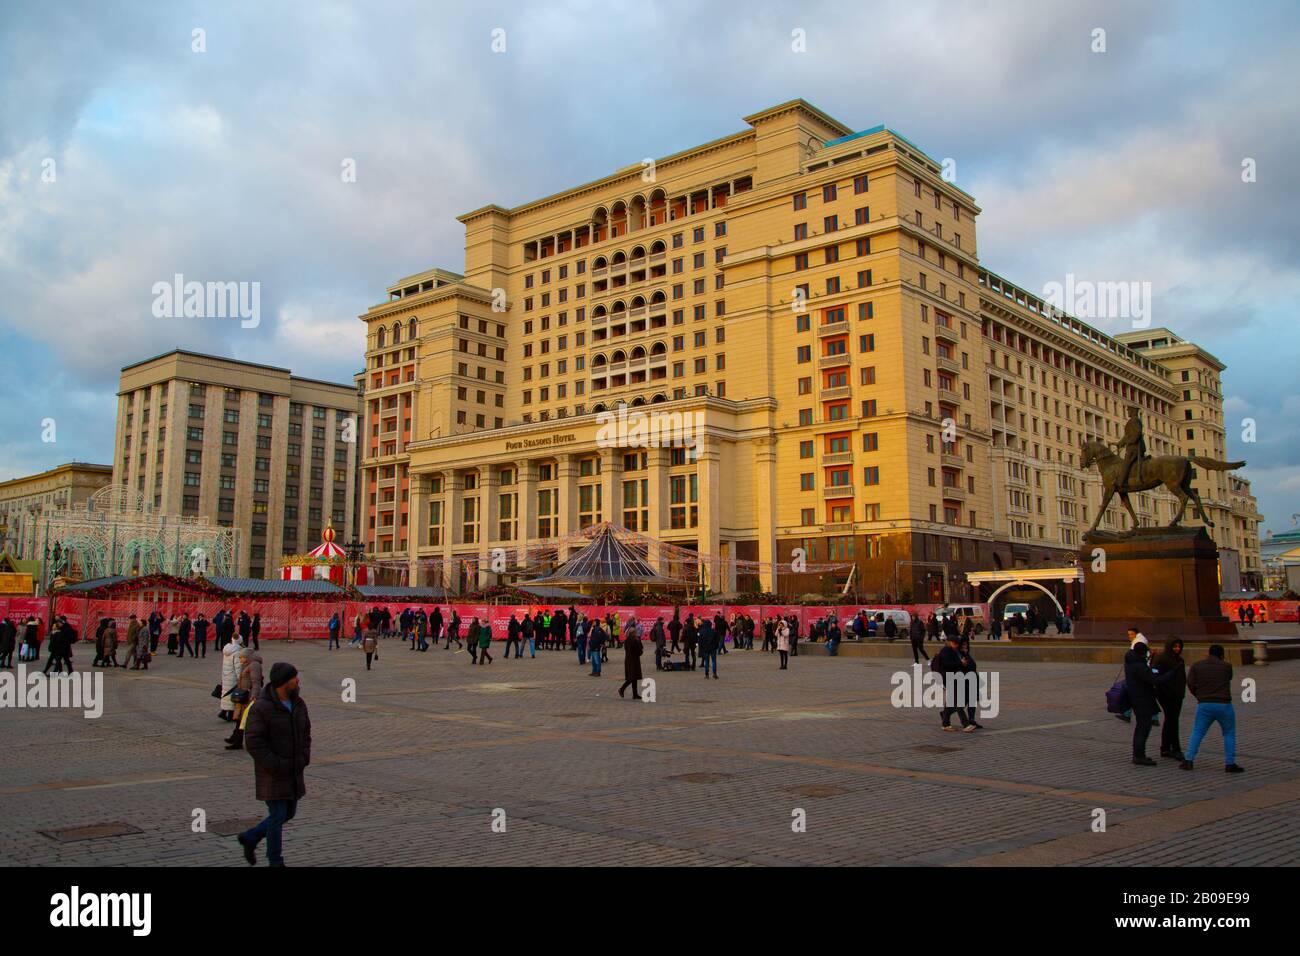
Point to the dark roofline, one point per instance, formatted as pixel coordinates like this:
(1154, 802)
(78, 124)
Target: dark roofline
(205, 355)
(235, 361)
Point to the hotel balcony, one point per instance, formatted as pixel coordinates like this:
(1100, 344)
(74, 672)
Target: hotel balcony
(946, 333)
(833, 361)
(952, 460)
(837, 491)
(838, 458)
(947, 364)
(948, 395)
(828, 329)
(843, 391)
(954, 493)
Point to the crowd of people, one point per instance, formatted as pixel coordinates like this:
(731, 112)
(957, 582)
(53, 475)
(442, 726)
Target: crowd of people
(29, 647)
(1158, 684)
(699, 640)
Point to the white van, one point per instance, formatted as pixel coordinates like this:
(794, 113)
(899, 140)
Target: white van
(1011, 610)
(876, 618)
(973, 611)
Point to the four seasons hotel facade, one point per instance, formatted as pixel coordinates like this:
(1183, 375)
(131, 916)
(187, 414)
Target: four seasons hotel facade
(811, 301)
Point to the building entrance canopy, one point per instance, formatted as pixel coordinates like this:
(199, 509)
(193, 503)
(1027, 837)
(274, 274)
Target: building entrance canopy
(1026, 577)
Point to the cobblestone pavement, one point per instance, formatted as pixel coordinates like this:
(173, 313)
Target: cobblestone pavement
(712, 773)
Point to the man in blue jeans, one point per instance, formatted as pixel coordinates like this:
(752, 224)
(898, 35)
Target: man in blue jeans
(278, 738)
(1210, 681)
(595, 646)
(709, 638)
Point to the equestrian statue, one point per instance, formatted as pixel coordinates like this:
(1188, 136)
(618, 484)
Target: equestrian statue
(1129, 469)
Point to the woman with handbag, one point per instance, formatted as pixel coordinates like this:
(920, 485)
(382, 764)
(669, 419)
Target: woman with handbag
(368, 644)
(229, 677)
(247, 689)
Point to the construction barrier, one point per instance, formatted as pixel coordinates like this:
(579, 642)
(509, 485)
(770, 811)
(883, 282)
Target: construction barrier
(305, 620)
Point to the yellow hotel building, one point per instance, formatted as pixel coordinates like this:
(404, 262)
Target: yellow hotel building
(812, 298)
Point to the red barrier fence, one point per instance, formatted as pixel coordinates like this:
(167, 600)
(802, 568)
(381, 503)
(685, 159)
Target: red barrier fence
(309, 619)
(306, 620)
(1266, 612)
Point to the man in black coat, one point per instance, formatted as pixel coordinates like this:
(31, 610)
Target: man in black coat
(709, 639)
(631, 665)
(917, 634)
(435, 624)
(61, 640)
(948, 661)
(1141, 682)
(278, 738)
(559, 629)
(200, 648)
(1170, 696)
(8, 639)
(675, 628)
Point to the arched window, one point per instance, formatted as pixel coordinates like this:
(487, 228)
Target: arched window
(411, 328)
(381, 338)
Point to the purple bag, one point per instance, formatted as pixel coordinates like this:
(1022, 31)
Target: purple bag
(1117, 701)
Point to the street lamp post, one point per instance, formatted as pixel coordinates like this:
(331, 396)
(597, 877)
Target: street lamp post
(355, 552)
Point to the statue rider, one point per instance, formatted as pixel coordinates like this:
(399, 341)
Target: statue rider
(1132, 446)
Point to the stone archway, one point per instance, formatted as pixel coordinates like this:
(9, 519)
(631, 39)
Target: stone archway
(1022, 583)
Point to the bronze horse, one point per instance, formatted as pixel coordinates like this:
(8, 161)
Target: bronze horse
(1172, 471)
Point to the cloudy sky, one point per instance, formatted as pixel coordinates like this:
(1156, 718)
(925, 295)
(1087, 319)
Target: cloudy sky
(127, 157)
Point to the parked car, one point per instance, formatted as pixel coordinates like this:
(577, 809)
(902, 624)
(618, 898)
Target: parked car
(1011, 610)
(876, 618)
(974, 611)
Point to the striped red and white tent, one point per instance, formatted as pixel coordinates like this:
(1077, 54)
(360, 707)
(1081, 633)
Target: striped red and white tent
(326, 562)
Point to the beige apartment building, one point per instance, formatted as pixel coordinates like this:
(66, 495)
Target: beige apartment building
(248, 446)
(810, 302)
(23, 502)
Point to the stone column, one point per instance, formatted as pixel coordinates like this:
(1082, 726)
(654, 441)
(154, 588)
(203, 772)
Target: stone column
(567, 472)
(611, 480)
(489, 517)
(765, 505)
(657, 493)
(526, 508)
(417, 532)
(453, 516)
(710, 504)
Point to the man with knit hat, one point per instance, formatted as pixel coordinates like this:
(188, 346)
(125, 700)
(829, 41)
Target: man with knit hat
(278, 738)
(1141, 682)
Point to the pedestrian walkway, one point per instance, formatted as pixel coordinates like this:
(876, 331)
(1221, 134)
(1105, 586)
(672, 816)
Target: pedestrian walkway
(711, 773)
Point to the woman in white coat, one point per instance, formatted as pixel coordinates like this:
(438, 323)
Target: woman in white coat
(783, 644)
(230, 668)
